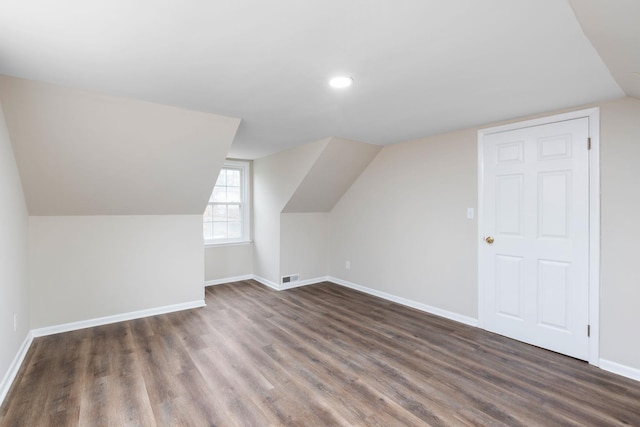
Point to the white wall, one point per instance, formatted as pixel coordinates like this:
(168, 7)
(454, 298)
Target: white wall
(228, 261)
(620, 232)
(14, 294)
(115, 188)
(85, 267)
(303, 244)
(308, 179)
(275, 179)
(403, 227)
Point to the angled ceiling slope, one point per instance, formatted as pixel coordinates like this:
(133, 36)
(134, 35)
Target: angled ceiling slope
(335, 170)
(420, 67)
(83, 153)
(612, 26)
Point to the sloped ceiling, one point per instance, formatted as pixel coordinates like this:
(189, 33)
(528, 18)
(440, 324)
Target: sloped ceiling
(613, 26)
(82, 153)
(420, 67)
(335, 170)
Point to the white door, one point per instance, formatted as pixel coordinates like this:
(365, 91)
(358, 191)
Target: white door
(534, 222)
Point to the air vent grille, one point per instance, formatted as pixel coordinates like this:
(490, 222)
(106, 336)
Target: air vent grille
(291, 278)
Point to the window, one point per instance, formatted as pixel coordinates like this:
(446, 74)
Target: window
(226, 218)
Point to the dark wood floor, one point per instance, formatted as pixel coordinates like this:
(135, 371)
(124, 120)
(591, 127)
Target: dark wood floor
(320, 355)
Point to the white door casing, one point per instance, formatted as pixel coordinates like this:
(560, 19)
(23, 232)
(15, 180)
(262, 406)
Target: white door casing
(536, 280)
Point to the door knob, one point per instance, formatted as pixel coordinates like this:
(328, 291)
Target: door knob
(489, 240)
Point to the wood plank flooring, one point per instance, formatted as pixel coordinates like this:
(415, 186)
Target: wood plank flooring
(320, 355)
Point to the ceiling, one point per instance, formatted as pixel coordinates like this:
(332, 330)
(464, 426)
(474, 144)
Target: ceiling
(613, 28)
(73, 160)
(420, 67)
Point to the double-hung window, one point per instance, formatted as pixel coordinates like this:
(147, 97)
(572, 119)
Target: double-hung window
(226, 218)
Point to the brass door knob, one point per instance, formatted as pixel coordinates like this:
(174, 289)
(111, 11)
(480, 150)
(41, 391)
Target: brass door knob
(489, 240)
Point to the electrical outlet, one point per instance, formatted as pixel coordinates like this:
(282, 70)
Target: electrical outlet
(15, 322)
(347, 265)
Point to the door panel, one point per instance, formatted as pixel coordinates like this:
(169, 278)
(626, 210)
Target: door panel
(553, 204)
(509, 286)
(509, 205)
(535, 205)
(554, 294)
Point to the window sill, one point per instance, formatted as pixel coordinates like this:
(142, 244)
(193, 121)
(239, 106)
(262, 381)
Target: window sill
(218, 244)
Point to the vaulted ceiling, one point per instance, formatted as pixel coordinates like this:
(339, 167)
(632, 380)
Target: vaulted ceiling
(613, 28)
(83, 153)
(420, 66)
(333, 171)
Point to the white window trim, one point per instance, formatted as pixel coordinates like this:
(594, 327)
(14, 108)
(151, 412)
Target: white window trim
(245, 166)
(209, 243)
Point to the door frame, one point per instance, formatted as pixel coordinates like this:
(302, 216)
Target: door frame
(593, 115)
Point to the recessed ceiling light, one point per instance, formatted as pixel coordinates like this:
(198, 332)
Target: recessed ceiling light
(340, 82)
(636, 73)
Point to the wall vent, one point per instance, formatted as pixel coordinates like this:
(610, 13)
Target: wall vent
(291, 278)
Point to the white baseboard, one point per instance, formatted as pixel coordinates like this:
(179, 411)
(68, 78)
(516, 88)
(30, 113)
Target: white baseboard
(291, 285)
(228, 280)
(409, 303)
(298, 283)
(617, 368)
(269, 283)
(73, 326)
(5, 385)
